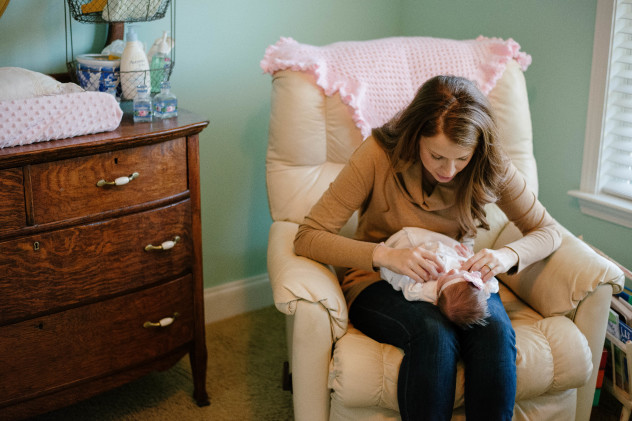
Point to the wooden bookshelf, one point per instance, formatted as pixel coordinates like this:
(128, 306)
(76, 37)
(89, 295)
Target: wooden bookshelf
(623, 394)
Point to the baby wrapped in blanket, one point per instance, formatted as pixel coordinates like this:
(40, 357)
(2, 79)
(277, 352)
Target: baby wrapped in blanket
(460, 295)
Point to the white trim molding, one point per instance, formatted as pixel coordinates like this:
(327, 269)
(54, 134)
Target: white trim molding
(605, 207)
(597, 95)
(237, 297)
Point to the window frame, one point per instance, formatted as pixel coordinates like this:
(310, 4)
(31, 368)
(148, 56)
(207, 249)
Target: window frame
(591, 201)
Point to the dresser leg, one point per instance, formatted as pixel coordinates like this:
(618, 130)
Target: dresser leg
(198, 359)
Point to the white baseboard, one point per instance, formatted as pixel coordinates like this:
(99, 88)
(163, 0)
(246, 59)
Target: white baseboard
(237, 297)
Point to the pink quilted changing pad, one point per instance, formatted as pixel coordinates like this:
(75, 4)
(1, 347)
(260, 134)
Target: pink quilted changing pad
(378, 78)
(24, 121)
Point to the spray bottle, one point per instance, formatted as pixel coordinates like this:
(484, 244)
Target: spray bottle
(160, 62)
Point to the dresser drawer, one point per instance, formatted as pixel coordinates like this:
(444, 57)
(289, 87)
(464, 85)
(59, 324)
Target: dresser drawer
(68, 188)
(12, 208)
(46, 353)
(60, 268)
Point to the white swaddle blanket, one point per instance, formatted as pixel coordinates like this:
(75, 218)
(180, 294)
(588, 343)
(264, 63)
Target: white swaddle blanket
(444, 247)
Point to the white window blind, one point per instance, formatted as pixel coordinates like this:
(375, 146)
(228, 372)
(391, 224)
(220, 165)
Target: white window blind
(615, 172)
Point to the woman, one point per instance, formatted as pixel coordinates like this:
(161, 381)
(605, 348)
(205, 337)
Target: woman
(435, 166)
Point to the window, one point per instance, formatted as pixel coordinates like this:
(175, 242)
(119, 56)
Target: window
(606, 184)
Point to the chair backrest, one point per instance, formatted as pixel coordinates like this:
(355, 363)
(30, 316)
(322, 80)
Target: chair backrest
(312, 136)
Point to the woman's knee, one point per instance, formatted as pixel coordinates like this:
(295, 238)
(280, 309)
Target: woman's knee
(434, 332)
(495, 340)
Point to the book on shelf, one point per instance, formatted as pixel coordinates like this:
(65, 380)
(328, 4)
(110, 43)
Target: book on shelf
(622, 308)
(626, 294)
(602, 372)
(625, 332)
(609, 369)
(602, 367)
(619, 327)
(613, 324)
(621, 368)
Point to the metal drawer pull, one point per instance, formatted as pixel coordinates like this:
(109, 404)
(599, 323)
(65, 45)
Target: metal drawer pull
(162, 323)
(121, 181)
(164, 246)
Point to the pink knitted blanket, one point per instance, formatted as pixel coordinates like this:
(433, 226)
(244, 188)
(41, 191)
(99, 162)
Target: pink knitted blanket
(380, 77)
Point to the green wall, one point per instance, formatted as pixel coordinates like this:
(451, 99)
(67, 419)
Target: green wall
(217, 74)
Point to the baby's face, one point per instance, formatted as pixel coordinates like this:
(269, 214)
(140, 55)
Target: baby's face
(452, 274)
(462, 276)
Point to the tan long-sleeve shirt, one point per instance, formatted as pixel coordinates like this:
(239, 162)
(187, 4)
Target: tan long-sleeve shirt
(387, 201)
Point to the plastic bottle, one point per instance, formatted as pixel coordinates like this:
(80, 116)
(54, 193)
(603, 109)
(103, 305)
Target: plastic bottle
(134, 65)
(165, 103)
(160, 62)
(142, 105)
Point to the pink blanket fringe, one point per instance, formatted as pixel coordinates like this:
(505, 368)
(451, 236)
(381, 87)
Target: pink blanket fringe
(380, 77)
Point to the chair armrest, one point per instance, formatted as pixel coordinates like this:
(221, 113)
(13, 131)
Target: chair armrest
(556, 285)
(591, 318)
(296, 278)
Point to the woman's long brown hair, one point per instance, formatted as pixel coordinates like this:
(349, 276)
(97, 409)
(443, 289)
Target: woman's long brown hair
(455, 107)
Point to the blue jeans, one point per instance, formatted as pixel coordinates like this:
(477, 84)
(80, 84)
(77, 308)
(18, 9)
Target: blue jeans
(432, 346)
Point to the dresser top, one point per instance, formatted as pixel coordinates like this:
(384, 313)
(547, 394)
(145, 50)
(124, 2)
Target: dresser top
(128, 134)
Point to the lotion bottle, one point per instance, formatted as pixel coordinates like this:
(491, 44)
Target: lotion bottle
(134, 65)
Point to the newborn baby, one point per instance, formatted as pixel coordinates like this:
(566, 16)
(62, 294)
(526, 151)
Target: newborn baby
(461, 295)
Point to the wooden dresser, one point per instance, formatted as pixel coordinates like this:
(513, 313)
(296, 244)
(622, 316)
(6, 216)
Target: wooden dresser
(100, 263)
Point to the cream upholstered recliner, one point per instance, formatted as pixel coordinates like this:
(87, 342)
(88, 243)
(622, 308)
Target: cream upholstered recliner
(558, 307)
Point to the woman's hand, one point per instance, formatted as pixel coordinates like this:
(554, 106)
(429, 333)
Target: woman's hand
(463, 250)
(417, 263)
(491, 262)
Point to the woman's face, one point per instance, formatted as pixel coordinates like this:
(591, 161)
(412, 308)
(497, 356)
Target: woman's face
(442, 158)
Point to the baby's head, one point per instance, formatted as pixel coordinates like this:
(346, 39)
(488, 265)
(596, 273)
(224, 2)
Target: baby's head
(461, 298)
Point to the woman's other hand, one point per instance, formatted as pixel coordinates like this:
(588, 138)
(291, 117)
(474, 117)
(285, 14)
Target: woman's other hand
(491, 262)
(463, 250)
(417, 263)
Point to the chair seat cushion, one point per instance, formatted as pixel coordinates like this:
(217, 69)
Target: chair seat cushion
(552, 356)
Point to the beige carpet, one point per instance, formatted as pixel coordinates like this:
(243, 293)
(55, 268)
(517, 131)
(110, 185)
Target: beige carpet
(246, 355)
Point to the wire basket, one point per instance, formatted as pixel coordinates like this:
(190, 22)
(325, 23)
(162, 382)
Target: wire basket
(109, 78)
(105, 11)
(100, 72)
